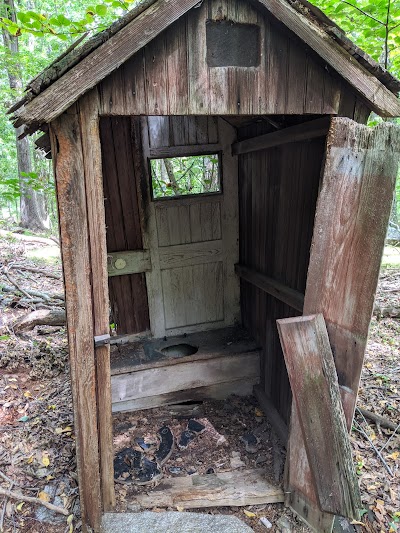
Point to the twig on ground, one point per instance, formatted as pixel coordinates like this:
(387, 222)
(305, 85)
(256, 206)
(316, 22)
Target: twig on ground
(30, 499)
(37, 271)
(378, 419)
(11, 481)
(390, 438)
(378, 453)
(3, 512)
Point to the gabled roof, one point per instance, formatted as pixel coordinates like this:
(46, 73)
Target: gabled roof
(81, 68)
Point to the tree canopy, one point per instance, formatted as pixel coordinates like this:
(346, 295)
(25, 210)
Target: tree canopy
(42, 29)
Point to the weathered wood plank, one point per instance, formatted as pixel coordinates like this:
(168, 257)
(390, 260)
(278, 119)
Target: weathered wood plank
(190, 374)
(306, 130)
(350, 227)
(236, 489)
(382, 100)
(220, 391)
(191, 254)
(91, 151)
(129, 262)
(276, 289)
(315, 388)
(66, 147)
(104, 60)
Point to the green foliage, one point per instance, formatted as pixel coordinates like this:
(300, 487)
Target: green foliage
(182, 176)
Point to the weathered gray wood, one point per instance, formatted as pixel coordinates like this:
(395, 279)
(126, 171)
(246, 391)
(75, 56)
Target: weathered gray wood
(301, 132)
(350, 228)
(236, 489)
(130, 262)
(66, 147)
(220, 391)
(103, 60)
(381, 99)
(91, 151)
(315, 388)
(276, 289)
(191, 254)
(189, 374)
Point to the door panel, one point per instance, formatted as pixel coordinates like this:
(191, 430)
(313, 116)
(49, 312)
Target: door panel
(193, 241)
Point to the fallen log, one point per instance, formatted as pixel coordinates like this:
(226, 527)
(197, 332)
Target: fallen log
(27, 238)
(30, 499)
(36, 271)
(378, 419)
(43, 317)
(30, 292)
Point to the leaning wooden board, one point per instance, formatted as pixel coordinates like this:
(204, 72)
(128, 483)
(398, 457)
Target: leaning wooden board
(316, 394)
(349, 234)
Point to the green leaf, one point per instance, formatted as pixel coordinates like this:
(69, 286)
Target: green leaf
(101, 10)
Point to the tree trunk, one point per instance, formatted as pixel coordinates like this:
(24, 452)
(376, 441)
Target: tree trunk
(32, 208)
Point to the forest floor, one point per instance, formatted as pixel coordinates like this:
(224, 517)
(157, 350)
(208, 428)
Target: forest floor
(37, 444)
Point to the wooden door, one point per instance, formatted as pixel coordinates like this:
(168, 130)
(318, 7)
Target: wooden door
(349, 235)
(192, 240)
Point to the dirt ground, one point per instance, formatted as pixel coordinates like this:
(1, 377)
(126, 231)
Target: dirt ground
(37, 443)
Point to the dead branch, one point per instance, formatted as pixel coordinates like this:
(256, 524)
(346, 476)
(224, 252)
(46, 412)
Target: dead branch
(29, 293)
(43, 317)
(36, 501)
(13, 282)
(37, 271)
(378, 419)
(378, 453)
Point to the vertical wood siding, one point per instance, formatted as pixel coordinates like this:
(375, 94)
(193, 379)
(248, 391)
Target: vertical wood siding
(128, 296)
(170, 76)
(278, 190)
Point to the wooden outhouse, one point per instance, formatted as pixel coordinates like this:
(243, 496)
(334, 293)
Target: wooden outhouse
(267, 100)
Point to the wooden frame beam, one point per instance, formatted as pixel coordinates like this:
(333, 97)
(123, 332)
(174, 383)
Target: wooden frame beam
(276, 289)
(381, 99)
(179, 151)
(301, 132)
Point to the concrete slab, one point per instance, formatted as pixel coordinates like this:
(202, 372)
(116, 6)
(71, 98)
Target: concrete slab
(172, 522)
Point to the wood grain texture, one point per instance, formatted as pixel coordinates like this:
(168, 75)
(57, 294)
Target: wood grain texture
(70, 184)
(315, 388)
(291, 79)
(381, 99)
(129, 262)
(123, 221)
(246, 487)
(187, 375)
(91, 151)
(104, 60)
(354, 202)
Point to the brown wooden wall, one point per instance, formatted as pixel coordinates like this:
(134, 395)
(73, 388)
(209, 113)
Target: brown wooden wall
(128, 295)
(170, 76)
(278, 192)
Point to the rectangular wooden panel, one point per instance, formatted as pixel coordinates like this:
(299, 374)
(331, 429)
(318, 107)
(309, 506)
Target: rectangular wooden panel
(156, 381)
(315, 388)
(193, 294)
(191, 254)
(121, 263)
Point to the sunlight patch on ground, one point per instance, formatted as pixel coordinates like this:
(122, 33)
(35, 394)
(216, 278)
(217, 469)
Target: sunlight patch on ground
(391, 256)
(47, 254)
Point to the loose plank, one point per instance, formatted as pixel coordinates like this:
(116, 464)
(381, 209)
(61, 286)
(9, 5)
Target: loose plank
(238, 488)
(313, 379)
